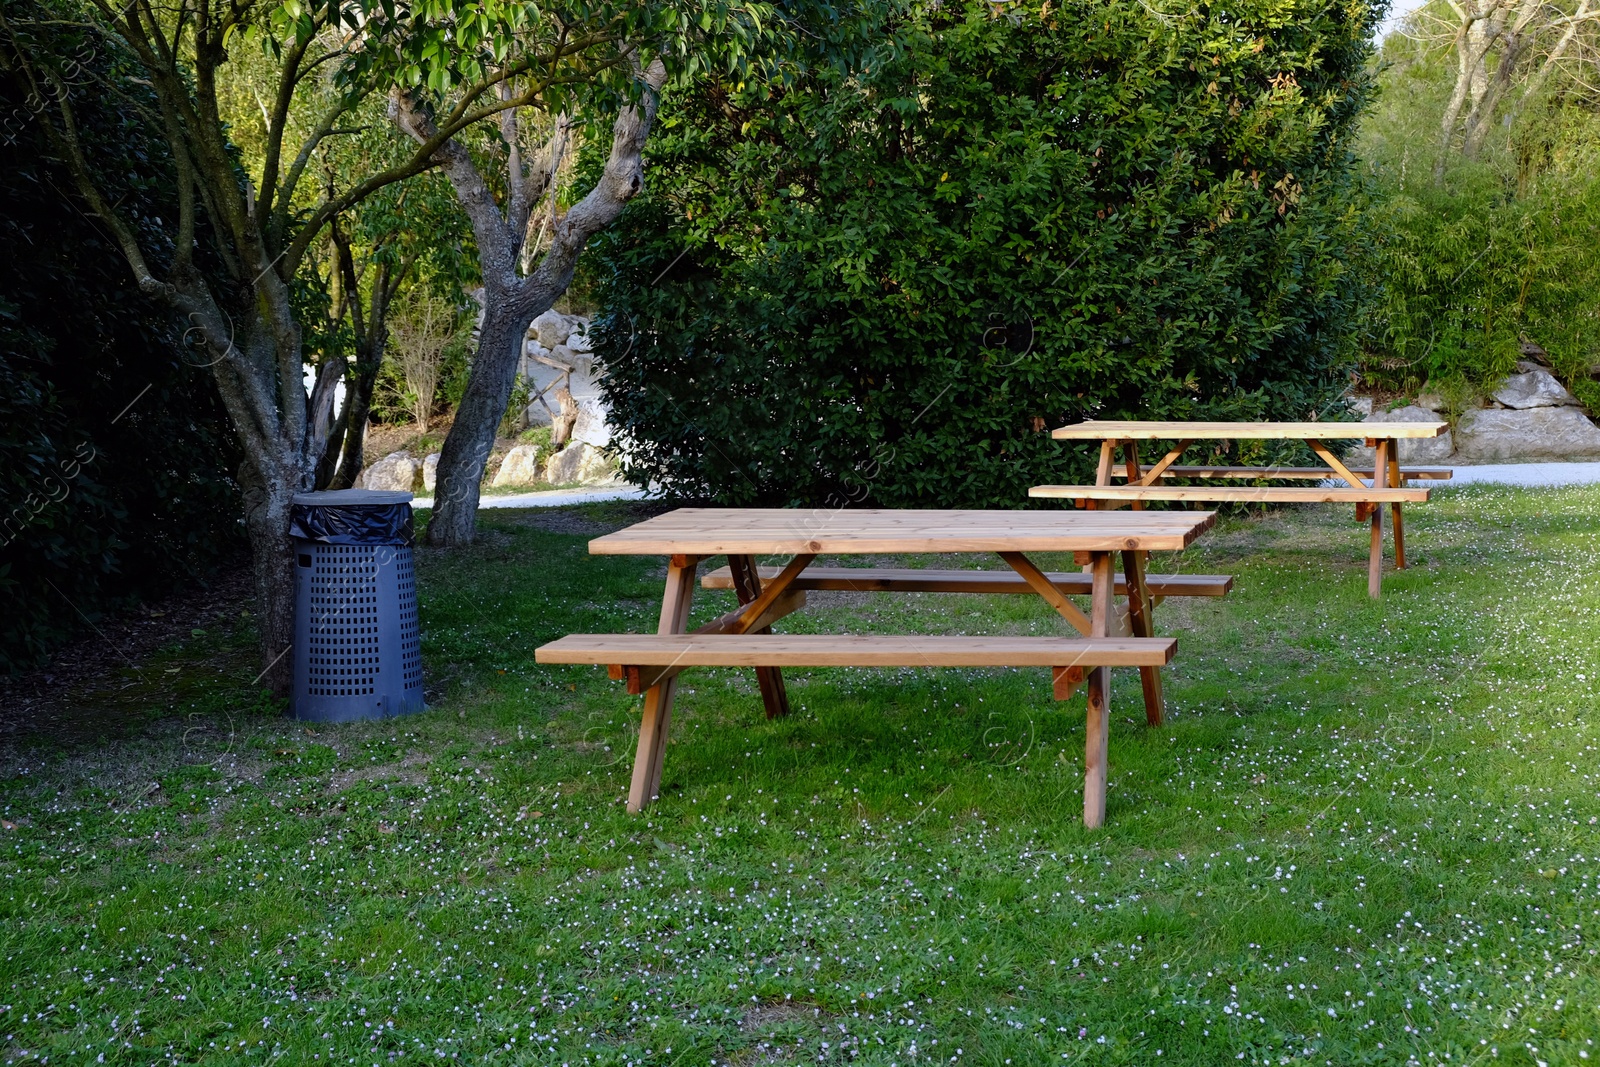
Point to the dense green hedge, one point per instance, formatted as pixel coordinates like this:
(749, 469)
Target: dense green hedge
(882, 283)
(115, 461)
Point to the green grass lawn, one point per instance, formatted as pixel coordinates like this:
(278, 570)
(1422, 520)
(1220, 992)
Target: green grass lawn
(1370, 832)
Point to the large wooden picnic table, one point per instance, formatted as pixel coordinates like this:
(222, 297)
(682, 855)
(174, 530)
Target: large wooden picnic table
(1369, 488)
(1110, 637)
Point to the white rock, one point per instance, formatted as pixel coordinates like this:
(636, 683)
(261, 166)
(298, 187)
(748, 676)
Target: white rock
(1534, 389)
(579, 462)
(1412, 449)
(520, 467)
(396, 472)
(430, 471)
(531, 347)
(1532, 435)
(1361, 405)
(592, 427)
(552, 328)
(578, 340)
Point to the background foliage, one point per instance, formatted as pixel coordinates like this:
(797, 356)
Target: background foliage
(1478, 256)
(885, 283)
(97, 510)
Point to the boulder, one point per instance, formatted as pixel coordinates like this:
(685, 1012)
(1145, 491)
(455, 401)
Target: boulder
(579, 462)
(1536, 388)
(396, 472)
(430, 471)
(1529, 435)
(1361, 405)
(591, 428)
(578, 340)
(520, 467)
(552, 328)
(1412, 450)
(1430, 401)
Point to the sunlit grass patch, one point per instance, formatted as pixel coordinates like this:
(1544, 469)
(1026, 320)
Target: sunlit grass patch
(1369, 833)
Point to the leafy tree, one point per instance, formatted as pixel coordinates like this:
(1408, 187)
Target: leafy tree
(1503, 54)
(1485, 248)
(417, 339)
(889, 282)
(502, 184)
(240, 300)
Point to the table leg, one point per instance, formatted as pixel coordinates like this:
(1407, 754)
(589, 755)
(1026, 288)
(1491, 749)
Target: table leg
(675, 601)
(747, 586)
(1102, 475)
(1096, 741)
(1380, 478)
(1142, 623)
(1399, 526)
(1130, 456)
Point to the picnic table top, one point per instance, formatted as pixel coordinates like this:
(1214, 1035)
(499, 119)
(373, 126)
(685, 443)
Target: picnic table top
(795, 531)
(1141, 430)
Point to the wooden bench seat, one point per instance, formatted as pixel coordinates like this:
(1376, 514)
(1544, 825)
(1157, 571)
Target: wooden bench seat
(855, 650)
(1292, 473)
(645, 660)
(1252, 494)
(900, 580)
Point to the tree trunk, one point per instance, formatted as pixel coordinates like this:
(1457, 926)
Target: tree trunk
(358, 408)
(465, 456)
(266, 509)
(512, 300)
(277, 461)
(328, 467)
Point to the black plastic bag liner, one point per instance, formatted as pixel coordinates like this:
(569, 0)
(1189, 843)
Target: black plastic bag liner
(352, 517)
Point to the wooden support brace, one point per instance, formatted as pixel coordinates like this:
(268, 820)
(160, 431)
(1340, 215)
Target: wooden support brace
(1066, 680)
(747, 586)
(641, 678)
(1042, 585)
(1163, 463)
(1338, 466)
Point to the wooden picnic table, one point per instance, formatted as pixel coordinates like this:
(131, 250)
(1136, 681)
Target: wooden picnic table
(650, 663)
(1369, 488)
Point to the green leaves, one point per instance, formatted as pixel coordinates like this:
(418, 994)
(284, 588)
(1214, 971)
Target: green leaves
(560, 60)
(957, 225)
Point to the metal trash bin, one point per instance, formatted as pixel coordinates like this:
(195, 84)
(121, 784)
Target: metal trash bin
(357, 651)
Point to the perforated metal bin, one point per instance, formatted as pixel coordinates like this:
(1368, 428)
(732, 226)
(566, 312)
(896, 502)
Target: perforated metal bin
(357, 652)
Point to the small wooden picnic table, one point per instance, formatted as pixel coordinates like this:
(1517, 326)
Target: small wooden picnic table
(651, 662)
(1369, 488)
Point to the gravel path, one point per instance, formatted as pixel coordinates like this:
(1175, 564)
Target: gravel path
(1520, 474)
(1527, 474)
(555, 498)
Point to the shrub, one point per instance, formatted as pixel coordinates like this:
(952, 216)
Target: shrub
(1478, 256)
(887, 281)
(115, 462)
